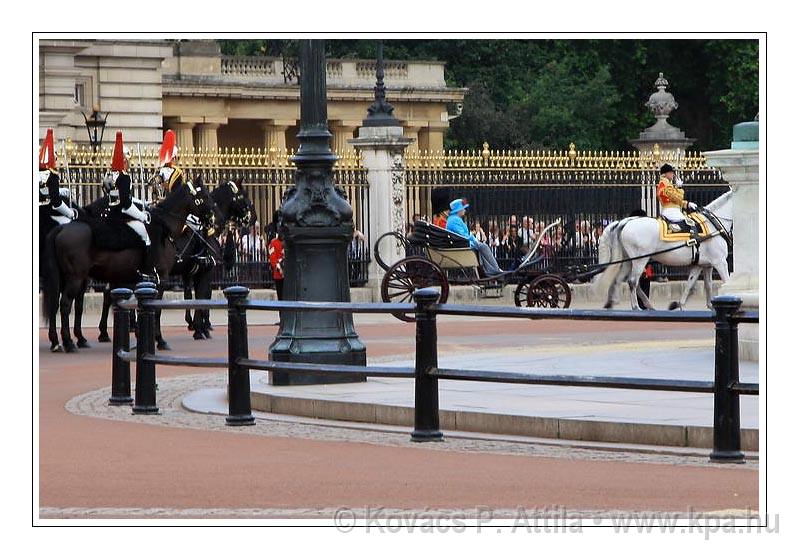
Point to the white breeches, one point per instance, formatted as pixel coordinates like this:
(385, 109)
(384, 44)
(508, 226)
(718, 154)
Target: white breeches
(61, 220)
(139, 228)
(673, 214)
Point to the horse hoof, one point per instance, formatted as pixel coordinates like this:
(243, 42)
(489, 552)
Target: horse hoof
(56, 348)
(673, 305)
(198, 335)
(207, 335)
(103, 338)
(190, 328)
(83, 343)
(210, 328)
(163, 346)
(69, 347)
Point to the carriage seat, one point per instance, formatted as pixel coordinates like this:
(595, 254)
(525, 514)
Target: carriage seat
(436, 237)
(445, 248)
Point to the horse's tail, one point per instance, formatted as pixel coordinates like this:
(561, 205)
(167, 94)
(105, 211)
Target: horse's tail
(609, 249)
(52, 276)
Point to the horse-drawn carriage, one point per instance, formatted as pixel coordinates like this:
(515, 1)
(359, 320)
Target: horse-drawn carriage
(435, 257)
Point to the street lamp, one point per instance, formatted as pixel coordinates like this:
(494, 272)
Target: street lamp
(316, 223)
(380, 112)
(95, 126)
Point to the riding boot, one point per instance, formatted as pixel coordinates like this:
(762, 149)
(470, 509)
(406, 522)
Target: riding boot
(148, 271)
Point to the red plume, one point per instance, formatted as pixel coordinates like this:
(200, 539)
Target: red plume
(47, 153)
(118, 158)
(167, 153)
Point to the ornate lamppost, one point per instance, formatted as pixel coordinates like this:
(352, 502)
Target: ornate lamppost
(380, 112)
(316, 222)
(95, 126)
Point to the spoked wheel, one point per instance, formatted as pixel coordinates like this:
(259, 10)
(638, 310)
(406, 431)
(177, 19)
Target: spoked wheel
(389, 238)
(521, 294)
(549, 290)
(410, 274)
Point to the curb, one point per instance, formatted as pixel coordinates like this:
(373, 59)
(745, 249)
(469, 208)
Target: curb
(501, 424)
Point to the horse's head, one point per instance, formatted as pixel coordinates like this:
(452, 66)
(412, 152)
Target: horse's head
(240, 209)
(202, 204)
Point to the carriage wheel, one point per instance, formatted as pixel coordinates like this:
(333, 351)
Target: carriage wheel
(410, 274)
(549, 290)
(391, 237)
(521, 294)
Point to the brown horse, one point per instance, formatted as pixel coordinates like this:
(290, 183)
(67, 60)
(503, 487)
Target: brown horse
(72, 256)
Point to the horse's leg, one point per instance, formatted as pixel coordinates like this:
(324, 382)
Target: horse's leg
(52, 331)
(203, 291)
(694, 274)
(161, 344)
(65, 306)
(613, 293)
(722, 269)
(708, 272)
(637, 268)
(187, 294)
(82, 342)
(103, 326)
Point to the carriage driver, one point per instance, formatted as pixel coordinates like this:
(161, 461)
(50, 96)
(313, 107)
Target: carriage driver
(49, 191)
(455, 223)
(121, 203)
(670, 195)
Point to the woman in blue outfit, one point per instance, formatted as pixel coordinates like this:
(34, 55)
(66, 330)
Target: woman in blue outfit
(455, 223)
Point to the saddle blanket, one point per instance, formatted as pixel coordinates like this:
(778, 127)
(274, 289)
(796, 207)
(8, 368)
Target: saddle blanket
(114, 235)
(667, 234)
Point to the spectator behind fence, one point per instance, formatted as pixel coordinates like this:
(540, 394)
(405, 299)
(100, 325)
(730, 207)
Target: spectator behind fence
(493, 236)
(251, 245)
(513, 246)
(478, 232)
(527, 233)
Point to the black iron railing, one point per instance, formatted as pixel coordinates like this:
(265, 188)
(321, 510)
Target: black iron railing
(725, 387)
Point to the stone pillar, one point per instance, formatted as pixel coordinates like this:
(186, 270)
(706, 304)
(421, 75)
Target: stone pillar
(183, 133)
(382, 149)
(275, 133)
(740, 169)
(206, 135)
(411, 130)
(342, 132)
(431, 138)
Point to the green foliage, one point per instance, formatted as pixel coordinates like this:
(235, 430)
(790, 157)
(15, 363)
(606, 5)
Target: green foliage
(548, 93)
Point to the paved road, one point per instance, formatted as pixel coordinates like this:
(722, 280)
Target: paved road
(89, 462)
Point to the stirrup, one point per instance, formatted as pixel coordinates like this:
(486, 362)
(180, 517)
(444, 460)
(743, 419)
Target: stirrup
(146, 277)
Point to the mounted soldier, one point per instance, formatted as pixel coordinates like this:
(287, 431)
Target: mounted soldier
(122, 206)
(169, 174)
(53, 200)
(671, 196)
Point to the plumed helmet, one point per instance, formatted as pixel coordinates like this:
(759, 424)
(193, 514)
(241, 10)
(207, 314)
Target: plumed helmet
(118, 157)
(169, 149)
(47, 153)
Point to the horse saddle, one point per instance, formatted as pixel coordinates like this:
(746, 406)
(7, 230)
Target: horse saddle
(114, 235)
(694, 226)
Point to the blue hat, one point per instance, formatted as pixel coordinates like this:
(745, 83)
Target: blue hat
(458, 205)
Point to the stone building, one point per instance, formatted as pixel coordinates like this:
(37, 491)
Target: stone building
(215, 101)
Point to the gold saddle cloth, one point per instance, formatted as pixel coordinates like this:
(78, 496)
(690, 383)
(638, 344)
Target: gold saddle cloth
(667, 234)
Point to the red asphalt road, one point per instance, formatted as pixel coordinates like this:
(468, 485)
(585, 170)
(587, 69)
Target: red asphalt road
(90, 462)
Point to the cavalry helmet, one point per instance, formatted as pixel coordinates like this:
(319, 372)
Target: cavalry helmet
(666, 168)
(169, 149)
(47, 153)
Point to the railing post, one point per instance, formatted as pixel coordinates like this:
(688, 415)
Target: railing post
(145, 345)
(727, 433)
(426, 387)
(239, 411)
(120, 368)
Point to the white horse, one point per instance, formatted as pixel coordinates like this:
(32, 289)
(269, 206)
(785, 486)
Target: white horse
(630, 238)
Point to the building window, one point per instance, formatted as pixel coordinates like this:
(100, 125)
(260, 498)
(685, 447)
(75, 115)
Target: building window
(80, 94)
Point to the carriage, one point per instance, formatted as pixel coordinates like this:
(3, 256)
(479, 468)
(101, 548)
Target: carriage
(435, 257)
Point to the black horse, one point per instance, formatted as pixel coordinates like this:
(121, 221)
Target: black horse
(197, 254)
(72, 256)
